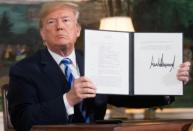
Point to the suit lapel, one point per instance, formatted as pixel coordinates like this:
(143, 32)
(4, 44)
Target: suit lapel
(52, 71)
(80, 62)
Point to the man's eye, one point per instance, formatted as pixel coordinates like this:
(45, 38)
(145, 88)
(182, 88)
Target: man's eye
(66, 20)
(50, 21)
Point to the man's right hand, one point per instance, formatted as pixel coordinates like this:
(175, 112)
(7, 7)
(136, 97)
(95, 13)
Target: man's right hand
(82, 88)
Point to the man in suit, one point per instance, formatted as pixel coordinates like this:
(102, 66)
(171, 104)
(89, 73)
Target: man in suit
(39, 89)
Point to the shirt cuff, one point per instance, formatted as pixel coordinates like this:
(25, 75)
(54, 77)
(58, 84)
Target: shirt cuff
(69, 108)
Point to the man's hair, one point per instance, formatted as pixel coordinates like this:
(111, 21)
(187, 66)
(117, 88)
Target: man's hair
(50, 7)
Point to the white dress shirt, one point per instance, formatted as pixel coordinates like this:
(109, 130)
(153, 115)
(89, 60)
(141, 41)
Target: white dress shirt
(75, 72)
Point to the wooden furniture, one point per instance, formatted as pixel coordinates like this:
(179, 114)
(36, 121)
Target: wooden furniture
(182, 125)
(6, 118)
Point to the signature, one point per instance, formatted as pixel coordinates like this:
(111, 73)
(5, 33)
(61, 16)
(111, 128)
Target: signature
(161, 63)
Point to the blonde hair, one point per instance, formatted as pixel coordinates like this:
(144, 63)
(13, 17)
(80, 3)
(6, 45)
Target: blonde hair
(50, 7)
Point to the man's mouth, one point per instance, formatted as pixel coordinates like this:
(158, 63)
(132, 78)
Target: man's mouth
(60, 36)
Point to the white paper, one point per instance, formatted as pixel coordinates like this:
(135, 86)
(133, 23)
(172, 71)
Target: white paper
(156, 60)
(106, 61)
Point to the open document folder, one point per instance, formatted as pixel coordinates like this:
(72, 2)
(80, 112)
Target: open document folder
(128, 63)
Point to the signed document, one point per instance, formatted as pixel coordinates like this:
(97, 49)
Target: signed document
(127, 63)
(156, 60)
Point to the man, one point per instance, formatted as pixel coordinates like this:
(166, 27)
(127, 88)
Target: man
(40, 92)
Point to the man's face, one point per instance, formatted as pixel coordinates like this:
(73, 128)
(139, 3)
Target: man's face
(60, 29)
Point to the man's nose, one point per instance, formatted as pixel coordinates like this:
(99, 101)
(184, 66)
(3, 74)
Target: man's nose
(60, 25)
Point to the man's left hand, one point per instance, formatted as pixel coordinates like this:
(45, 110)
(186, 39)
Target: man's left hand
(183, 72)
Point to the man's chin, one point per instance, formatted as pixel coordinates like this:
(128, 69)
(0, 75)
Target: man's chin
(62, 43)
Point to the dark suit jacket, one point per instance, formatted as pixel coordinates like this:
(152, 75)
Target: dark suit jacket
(35, 95)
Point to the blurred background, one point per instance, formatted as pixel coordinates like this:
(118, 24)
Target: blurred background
(19, 38)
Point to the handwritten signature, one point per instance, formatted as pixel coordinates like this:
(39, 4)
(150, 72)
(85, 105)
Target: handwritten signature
(161, 63)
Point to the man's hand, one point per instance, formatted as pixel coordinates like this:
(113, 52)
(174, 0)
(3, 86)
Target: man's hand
(82, 88)
(183, 72)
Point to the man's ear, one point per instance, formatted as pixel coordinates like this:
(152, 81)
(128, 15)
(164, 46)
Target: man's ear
(78, 30)
(42, 34)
